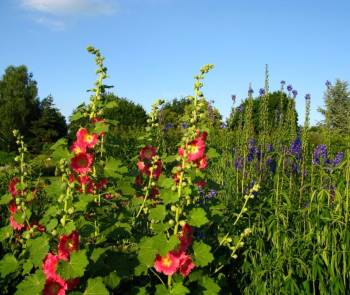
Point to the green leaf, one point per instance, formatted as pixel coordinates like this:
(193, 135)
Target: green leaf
(75, 267)
(51, 225)
(83, 201)
(32, 285)
(67, 230)
(76, 116)
(168, 196)
(211, 287)
(212, 153)
(179, 289)
(5, 232)
(101, 127)
(202, 253)
(114, 168)
(161, 290)
(112, 280)
(95, 286)
(8, 264)
(5, 199)
(126, 189)
(27, 267)
(147, 252)
(38, 249)
(165, 182)
(197, 217)
(158, 213)
(110, 105)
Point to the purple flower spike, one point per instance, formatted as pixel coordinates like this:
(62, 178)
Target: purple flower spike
(250, 91)
(289, 88)
(295, 93)
(261, 91)
(283, 82)
(295, 148)
(320, 152)
(328, 83)
(308, 96)
(338, 158)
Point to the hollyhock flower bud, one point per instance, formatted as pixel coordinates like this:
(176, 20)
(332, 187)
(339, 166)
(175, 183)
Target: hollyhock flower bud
(12, 187)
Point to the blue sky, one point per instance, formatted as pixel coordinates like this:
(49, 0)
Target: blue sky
(153, 48)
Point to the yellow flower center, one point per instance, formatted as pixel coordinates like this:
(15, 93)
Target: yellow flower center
(88, 138)
(193, 149)
(166, 261)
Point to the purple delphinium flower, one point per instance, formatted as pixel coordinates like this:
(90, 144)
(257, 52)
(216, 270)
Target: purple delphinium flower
(250, 91)
(212, 194)
(271, 164)
(251, 149)
(328, 83)
(289, 88)
(338, 158)
(184, 125)
(320, 152)
(168, 126)
(308, 96)
(240, 108)
(295, 93)
(295, 148)
(270, 148)
(295, 168)
(223, 126)
(283, 82)
(261, 91)
(233, 97)
(238, 163)
(259, 154)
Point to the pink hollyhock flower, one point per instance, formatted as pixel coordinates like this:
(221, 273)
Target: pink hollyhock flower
(143, 167)
(12, 187)
(202, 136)
(96, 120)
(186, 237)
(196, 149)
(68, 244)
(186, 264)
(49, 269)
(81, 163)
(71, 178)
(84, 138)
(180, 151)
(167, 264)
(148, 152)
(202, 163)
(14, 224)
(53, 287)
(78, 148)
(39, 227)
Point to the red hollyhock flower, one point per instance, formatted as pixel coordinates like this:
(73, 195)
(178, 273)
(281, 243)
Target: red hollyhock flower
(12, 207)
(96, 120)
(72, 284)
(14, 224)
(102, 184)
(78, 148)
(12, 187)
(49, 269)
(81, 163)
(86, 139)
(138, 180)
(180, 151)
(186, 264)
(148, 152)
(154, 192)
(68, 244)
(186, 237)
(39, 227)
(53, 287)
(167, 264)
(196, 149)
(201, 183)
(158, 169)
(83, 179)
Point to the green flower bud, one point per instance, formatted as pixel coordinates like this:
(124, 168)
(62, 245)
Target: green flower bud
(182, 222)
(71, 210)
(173, 208)
(54, 232)
(171, 222)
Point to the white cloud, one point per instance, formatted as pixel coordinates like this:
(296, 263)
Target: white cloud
(54, 24)
(66, 7)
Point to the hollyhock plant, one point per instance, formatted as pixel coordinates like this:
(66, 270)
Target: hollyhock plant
(167, 264)
(87, 139)
(12, 188)
(14, 224)
(68, 244)
(81, 163)
(196, 149)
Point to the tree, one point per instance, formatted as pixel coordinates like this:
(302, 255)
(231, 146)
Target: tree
(337, 108)
(19, 104)
(49, 127)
